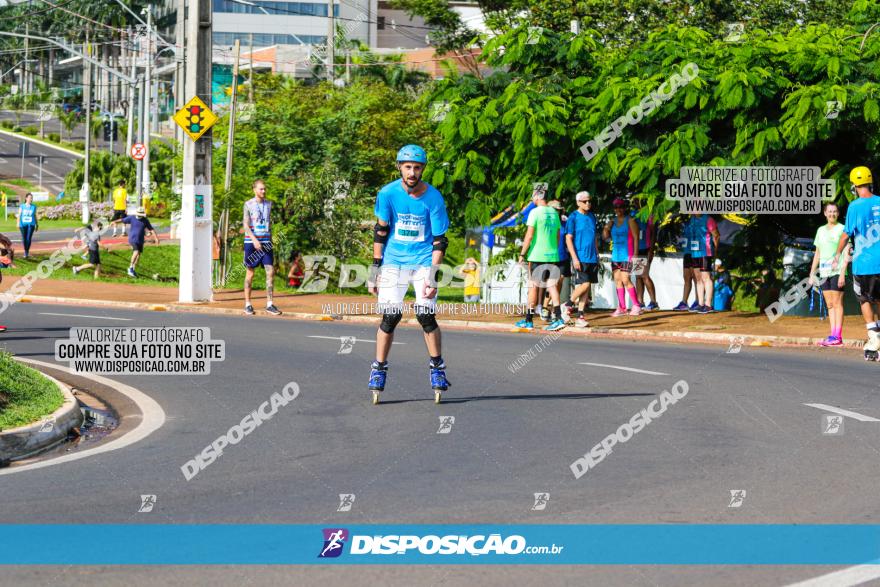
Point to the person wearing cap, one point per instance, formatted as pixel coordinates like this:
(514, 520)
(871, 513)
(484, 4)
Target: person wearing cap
(139, 226)
(564, 263)
(540, 250)
(645, 251)
(863, 227)
(623, 232)
(582, 242)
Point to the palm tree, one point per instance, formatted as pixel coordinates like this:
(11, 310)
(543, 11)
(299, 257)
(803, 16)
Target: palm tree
(68, 120)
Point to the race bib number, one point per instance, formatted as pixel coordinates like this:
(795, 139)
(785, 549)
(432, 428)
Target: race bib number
(409, 228)
(825, 267)
(261, 228)
(695, 245)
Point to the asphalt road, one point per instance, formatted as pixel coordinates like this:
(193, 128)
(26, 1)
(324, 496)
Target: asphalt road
(56, 163)
(743, 425)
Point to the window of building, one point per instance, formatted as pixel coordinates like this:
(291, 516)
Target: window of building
(380, 22)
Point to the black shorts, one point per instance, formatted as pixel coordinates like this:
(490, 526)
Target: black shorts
(542, 273)
(688, 262)
(139, 248)
(564, 268)
(590, 274)
(867, 288)
(830, 284)
(118, 215)
(94, 256)
(625, 266)
(702, 263)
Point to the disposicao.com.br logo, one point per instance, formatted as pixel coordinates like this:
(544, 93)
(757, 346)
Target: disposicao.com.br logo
(401, 544)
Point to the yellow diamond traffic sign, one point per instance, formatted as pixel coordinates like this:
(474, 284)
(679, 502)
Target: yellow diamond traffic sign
(195, 118)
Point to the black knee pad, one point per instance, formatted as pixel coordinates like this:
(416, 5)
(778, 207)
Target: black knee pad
(427, 319)
(390, 320)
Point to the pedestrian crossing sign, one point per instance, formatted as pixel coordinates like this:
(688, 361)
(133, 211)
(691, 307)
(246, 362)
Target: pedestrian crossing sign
(195, 118)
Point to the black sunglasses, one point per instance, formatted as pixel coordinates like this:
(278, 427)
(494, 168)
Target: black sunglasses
(4, 252)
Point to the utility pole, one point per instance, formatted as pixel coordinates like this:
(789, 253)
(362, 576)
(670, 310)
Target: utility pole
(84, 195)
(25, 75)
(331, 45)
(196, 208)
(148, 104)
(132, 97)
(251, 70)
(227, 183)
(140, 136)
(179, 36)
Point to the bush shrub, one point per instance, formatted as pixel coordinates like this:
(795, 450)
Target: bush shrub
(54, 137)
(31, 131)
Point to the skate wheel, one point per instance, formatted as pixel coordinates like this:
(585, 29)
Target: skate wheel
(375, 397)
(437, 395)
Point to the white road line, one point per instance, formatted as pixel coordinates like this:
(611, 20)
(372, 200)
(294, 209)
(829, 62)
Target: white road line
(624, 368)
(849, 577)
(842, 412)
(339, 338)
(152, 418)
(85, 316)
(45, 171)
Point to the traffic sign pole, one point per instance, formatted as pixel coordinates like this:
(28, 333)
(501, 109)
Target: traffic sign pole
(197, 205)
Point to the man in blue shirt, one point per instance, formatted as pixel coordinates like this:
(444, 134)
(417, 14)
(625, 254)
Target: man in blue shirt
(863, 227)
(409, 243)
(582, 241)
(140, 226)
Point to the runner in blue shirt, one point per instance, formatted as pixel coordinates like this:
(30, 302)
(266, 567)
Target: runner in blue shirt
(27, 222)
(409, 242)
(582, 240)
(863, 227)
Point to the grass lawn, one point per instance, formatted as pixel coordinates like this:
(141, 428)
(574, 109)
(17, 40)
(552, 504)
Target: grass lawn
(9, 224)
(25, 395)
(162, 261)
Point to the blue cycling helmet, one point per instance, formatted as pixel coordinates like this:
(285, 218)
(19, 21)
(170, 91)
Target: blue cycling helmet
(412, 153)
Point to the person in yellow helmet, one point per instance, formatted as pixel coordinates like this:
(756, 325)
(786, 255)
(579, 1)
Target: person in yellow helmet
(863, 227)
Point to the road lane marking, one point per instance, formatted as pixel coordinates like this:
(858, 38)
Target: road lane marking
(84, 316)
(842, 412)
(151, 419)
(624, 368)
(849, 577)
(45, 171)
(339, 338)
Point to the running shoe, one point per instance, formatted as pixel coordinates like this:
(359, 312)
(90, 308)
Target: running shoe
(2, 329)
(830, 341)
(524, 324)
(273, 310)
(545, 315)
(131, 272)
(249, 310)
(704, 310)
(635, 310)
(555, 325)
(681, 307)
(695, 306)
(618, 313)
(653, 306)
(581, 323)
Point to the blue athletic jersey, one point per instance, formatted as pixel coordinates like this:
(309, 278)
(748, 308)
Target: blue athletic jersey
(700, 242)
(28, 214)
(621, 241)
(582, 228)
(564, 255)
(414, 223)
(861, 216)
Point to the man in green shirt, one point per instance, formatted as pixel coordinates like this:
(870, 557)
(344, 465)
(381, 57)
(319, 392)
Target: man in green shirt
(541, 249)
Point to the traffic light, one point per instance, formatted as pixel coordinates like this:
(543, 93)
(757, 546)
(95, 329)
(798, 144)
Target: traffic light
(111, 130)
(194, 116)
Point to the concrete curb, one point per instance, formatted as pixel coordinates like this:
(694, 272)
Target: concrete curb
(25, 441)
(601, 332)
(25, 137)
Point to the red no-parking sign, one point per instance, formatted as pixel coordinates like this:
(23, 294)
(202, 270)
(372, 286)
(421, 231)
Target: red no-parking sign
(138, 151)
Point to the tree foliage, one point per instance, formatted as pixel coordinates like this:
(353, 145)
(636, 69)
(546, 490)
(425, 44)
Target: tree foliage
(323, 152)
(757, 102)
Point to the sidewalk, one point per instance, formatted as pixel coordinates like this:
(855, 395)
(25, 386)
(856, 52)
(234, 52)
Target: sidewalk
(718, 328)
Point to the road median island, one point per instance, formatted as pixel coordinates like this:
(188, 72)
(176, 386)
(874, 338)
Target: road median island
(36, 410)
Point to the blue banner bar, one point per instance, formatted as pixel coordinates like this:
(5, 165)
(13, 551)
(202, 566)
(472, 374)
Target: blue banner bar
(614, 544)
